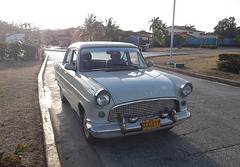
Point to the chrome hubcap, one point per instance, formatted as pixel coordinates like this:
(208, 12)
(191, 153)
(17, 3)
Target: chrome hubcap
(85, 126)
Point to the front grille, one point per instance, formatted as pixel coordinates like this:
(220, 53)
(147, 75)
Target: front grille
(143, 108)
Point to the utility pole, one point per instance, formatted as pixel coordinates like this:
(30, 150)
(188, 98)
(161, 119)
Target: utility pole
(172, 35)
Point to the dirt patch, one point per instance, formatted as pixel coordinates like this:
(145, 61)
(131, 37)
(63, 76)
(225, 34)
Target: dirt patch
(20, 117)
(199, 63)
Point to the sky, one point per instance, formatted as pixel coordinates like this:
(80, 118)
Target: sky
(128, 14)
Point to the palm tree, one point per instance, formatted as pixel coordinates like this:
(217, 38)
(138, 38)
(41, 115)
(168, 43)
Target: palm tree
(91, 25)
(190, 27)
(110, 29)
(154, 22)
(157, 24)
(159, 30)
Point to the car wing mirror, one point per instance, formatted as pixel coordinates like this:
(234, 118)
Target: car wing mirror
(69, 66)
(150, 63)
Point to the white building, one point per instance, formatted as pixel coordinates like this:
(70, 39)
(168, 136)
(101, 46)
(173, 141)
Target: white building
(182, 30)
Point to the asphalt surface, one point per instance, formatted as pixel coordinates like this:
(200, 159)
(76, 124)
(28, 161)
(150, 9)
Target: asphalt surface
(210, 138)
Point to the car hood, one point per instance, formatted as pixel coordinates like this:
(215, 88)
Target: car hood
(125, 86)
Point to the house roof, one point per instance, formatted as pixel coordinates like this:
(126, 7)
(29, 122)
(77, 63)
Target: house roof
(143, 33)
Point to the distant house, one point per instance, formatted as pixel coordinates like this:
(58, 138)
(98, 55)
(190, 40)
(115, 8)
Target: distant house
(15, 37)
(143, 37)
(186, 33)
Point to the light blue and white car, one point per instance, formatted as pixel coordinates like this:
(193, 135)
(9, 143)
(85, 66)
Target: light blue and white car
(115, 92)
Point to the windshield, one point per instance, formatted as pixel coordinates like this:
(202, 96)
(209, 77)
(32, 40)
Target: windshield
(111, 59)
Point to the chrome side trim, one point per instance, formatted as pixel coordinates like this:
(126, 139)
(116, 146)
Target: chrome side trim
(72, 86)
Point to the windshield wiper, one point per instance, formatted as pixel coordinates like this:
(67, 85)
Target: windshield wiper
(125, 65)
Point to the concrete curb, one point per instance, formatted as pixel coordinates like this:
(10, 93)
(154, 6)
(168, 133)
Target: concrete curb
(201, 76)
(52, 158)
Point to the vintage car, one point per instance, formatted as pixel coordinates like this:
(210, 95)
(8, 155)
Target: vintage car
(115, 93)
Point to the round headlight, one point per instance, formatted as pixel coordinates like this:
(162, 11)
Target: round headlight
(103, 98)
(186, 89)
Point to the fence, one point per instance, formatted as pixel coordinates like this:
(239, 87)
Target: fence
(208, 41)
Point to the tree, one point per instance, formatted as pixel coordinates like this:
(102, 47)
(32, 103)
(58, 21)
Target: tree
(156, 23)
(237, 37)
(159, 30)
(7, 28)
(190, 27)
(177, 41)
(110, 29)
(91, 25)
(227, 28)
(159, 36)
(124, 34)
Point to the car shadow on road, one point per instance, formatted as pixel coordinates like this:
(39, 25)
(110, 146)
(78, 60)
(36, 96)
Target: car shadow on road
(163, 148)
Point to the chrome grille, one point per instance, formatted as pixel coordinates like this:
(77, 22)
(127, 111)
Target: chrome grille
(142, 108)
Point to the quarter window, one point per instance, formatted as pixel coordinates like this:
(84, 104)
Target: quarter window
(68, 56)
(71, 56)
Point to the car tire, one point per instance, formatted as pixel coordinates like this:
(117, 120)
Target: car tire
(87, 135)
(63, 98)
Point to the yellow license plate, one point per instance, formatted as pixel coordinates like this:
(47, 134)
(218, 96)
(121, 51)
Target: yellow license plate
(151, 124)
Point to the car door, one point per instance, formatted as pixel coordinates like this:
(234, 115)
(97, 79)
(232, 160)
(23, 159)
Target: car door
(69, 75)
(61, 71)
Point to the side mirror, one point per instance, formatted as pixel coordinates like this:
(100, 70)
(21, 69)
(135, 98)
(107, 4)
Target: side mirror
(150, 63)
(69, 66)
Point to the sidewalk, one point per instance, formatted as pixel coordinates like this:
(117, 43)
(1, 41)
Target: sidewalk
(49, 140)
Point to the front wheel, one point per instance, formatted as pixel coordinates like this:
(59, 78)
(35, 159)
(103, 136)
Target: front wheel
(88, 136)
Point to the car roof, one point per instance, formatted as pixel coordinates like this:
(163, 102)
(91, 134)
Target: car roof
(104, 44)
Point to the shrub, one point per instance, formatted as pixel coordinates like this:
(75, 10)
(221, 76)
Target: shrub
(41, 54)
(14, 49)
(14, 159)
(212, 46)
(209, 46)
(229, 63)
(3, 50)
(30, 51)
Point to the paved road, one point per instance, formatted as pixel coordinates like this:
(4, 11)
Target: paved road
(210, 138)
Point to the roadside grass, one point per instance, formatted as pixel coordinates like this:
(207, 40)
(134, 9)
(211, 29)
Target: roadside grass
(20, 117)
(165, 49)
(199, 63)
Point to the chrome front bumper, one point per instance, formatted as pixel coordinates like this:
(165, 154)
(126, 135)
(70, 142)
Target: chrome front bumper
(110, 130)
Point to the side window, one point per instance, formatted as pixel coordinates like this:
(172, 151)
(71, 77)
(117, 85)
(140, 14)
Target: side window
(134, 57)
